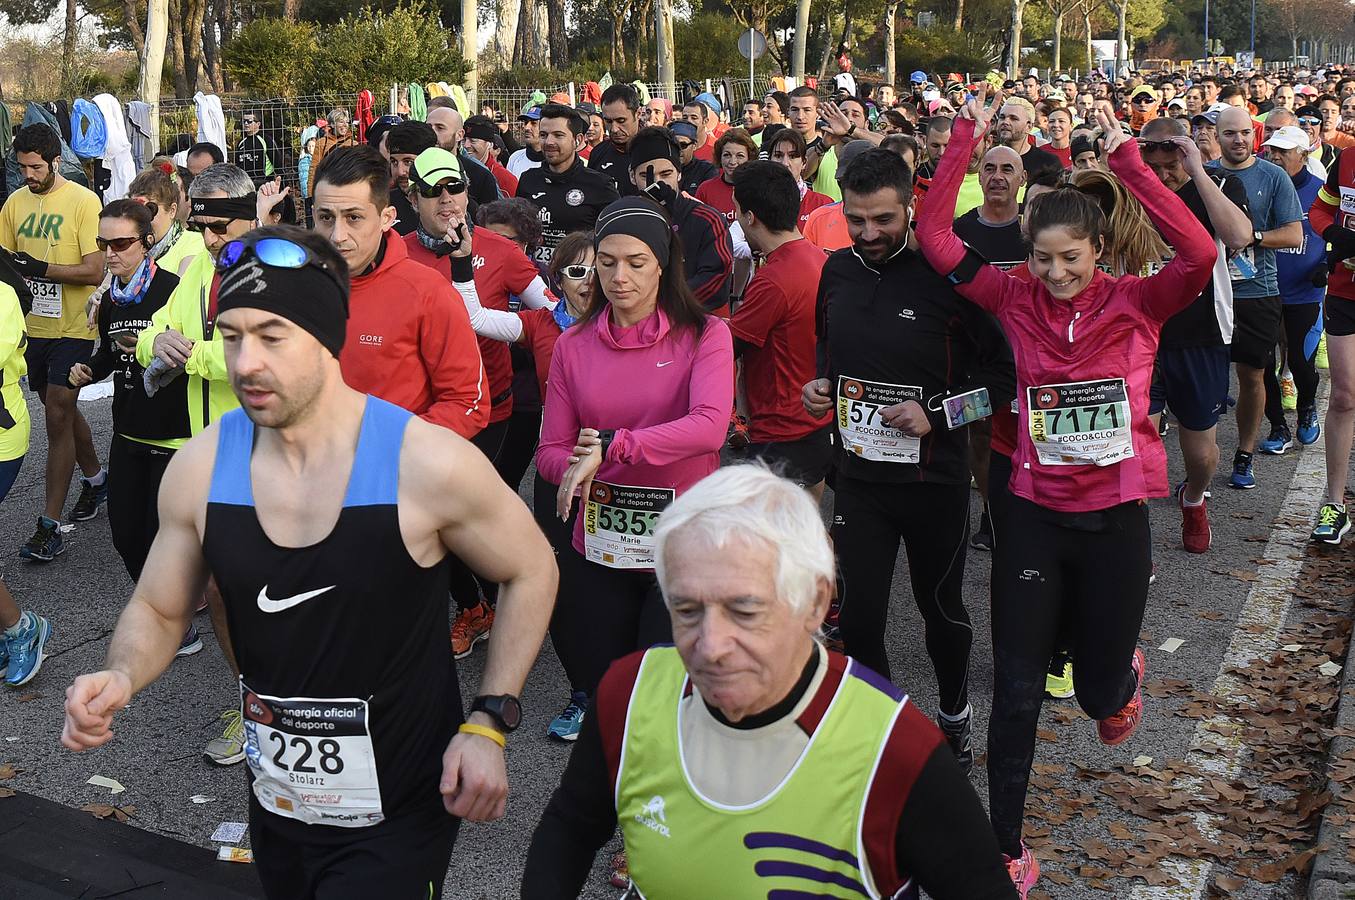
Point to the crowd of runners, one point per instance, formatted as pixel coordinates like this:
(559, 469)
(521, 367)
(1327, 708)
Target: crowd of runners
(688, 321)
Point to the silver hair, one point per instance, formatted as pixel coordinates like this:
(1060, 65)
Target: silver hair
(338, 114)
(229, 179)
(747, 503)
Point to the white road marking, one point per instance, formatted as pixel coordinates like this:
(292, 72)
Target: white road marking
(1267, 608)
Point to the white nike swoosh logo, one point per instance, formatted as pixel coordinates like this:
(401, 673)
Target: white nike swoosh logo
(661, 365)
(275, 606)
(538, 196)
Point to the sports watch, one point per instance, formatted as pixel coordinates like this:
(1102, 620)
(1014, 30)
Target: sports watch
(502, 708)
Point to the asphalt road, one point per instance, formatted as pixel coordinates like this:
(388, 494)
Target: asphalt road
(157, 757)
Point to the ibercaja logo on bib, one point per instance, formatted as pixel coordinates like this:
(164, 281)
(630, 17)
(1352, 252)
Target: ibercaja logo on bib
(602, 494)
(257, 711)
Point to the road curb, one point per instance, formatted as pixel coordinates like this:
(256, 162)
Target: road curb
(1333, 875)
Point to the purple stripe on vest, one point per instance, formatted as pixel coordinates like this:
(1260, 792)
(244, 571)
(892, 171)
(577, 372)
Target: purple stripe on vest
(875, 680)
(779, 869)
(759, 840)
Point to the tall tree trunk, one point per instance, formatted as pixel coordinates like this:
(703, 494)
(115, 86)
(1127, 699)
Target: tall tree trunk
(132, 23)
(891, 20)
(528, 52)
(291, 10)
(959, 14)
(1018, 9)
(1087, 35)
(663, 39)
(797, 63)
(195, 12)
(176, 49)
(152, 63)
(211, 58)
(1121, 15)
(827, 42)
(506, 29)
(1058, 40)
(559, 43)
(831, 47)
(68, 43)
(470, 46)
(618, 56)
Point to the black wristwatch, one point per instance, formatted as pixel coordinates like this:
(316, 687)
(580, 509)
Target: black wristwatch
(606, 436)
(1257, 238)
(502, 708)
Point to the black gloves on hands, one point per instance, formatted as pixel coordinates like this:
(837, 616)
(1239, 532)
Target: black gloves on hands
(28, 266)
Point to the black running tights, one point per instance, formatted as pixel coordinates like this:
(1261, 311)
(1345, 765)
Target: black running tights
(1299, 319)
(135, 471)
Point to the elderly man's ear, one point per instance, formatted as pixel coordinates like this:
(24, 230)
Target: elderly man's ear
(827, 592)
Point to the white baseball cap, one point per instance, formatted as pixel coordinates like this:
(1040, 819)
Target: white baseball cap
(1290, 137)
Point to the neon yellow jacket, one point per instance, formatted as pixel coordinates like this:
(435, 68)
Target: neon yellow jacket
(209, 389)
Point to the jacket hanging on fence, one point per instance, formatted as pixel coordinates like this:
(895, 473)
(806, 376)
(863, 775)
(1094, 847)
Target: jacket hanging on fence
(642, 89)
(88, 132)
(117, 154)
(211, 120)
(71, 169)
(61, 114)
(6, 130)
(363, 113)
(434, 90)
(418, 103)
(458, 95)
(592, 93)
(139, 133)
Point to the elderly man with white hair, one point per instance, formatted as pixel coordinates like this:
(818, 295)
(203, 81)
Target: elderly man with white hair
(748, 759)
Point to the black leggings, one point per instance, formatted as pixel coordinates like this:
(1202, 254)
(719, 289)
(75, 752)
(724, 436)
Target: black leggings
(465, 587)
(601, 615)
(1299, 319)
(1083, 574)
(932, 520)
(519, 445)
(135, 471)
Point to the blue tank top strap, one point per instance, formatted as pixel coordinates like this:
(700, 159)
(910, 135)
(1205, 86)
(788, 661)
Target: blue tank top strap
(375, 479)
(231, 483)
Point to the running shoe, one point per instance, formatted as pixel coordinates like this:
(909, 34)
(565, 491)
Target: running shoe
(1279, 441)
(4, 657)
(1332, 524)
(1289, 394)
(567, 725)
(46, 544)
(1119, 727)
(982, 539)
(620, 877)
(1208, 494)
(229, 748)
(91, 498)
(1195, 533)
(26, 649)
(958, 734)
(1309, 430)
(1058, 681)
(1163, 426)
(1152, 574)
(471, 626)
(1024, 871)
(736, 436)
(191, 642)
(1320, 358)
(1242, 478)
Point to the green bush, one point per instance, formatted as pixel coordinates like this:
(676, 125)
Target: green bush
(374, 49)
(943, 50)
(271, 57)
(709, 45)
(1072, 55)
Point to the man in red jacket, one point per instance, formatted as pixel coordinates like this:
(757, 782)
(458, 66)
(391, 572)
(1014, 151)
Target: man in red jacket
(409, 337)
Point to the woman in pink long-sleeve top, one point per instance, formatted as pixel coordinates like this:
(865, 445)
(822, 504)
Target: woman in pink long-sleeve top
(1072, 542)
(637, 405)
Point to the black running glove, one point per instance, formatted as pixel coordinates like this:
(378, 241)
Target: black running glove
(28, 266)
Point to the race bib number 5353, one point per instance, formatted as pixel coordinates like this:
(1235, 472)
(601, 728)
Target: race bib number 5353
(618, 524)
(312, 758)
(1080, 423)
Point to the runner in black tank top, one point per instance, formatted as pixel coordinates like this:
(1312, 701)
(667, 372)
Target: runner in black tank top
(360, 763)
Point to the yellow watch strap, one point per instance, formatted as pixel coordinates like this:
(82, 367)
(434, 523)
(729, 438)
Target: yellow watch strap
(483, 731)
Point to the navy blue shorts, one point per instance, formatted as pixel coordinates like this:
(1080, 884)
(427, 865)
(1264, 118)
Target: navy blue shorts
(1193, 382)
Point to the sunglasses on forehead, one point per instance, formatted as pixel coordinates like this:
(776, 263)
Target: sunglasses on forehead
(119, 244)
(432, 192)
(1163, 146)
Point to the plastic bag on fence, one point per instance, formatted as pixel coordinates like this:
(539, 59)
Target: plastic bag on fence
(89, 134)
(643, 90)
(70, 163)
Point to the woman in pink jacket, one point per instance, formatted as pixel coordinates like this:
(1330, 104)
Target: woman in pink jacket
(1072, 545)
(637, 404)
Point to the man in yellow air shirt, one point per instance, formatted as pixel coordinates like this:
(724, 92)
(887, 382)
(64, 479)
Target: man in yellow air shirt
(51, 226)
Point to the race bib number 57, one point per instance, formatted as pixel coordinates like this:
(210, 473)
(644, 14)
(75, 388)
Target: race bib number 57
(312, 759)
(860, 405)
(1080, 423)
(618, 524)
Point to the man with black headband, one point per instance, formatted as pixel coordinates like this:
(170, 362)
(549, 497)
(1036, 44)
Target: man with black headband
(620, 104)
(312, 507)
(403, 143)
(708, 253)
(569, 194)
(894, 340)
(481, 144)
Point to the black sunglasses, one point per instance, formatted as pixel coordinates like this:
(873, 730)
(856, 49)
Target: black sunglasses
(1157, 145)
(213, 227)
(432, 192)
(683, 145)
(1309, 120)
(249, 121)
(1143, 99)
(119, 245)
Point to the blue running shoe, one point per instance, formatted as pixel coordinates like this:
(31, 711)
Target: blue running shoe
(4, 657)
(26, 649)
(1279, 441)
(46, 544)
(191, 643)
(567, 725)
(1308, 431)
(1242, 478)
